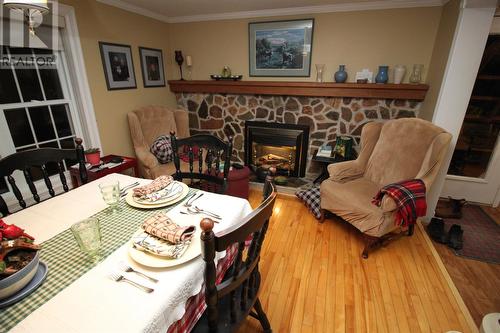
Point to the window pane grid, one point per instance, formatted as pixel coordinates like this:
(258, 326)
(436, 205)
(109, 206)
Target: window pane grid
(44, 142)
(39, 78)
(38, 95)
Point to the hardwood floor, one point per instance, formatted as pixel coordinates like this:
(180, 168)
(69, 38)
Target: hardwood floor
(314, 280)
(477, 282)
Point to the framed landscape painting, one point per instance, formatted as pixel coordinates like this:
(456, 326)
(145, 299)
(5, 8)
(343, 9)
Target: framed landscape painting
(281, 48)
(118, 66)
(153, 74)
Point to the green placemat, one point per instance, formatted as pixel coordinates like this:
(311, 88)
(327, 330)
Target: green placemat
(66, 263)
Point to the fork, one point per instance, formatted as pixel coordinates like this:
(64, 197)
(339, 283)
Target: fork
(118, 278)
(192, 199)
(126, 268)
(193, 211)
(198, 209)
(124, 190)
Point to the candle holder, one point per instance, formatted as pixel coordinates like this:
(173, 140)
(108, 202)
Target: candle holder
(179, 59)
(189, 66)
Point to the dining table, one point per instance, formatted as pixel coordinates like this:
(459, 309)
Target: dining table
(78, 295)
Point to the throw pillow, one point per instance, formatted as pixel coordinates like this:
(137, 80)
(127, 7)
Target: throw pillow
(311, 198)
(162, 149)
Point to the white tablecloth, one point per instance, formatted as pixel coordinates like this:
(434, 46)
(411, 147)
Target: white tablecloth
(94, 303)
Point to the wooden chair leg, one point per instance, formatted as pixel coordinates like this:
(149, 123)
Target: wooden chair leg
(262, 317)
(411, 229)
(370, 244)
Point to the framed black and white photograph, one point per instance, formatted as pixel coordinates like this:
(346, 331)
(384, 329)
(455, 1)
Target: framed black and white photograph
(281, 48)
(118, 66)
(153, 74)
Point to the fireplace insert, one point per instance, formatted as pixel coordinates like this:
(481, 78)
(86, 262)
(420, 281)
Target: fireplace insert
(283, 146)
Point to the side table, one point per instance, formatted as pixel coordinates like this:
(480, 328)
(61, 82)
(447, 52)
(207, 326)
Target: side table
(128, 163)
(325, 161)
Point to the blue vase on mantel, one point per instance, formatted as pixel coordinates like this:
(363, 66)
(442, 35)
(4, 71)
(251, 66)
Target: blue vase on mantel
(382, 75)
(340, 75)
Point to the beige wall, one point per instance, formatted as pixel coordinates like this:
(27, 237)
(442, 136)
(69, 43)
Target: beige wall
(364, 39)
(98, 22)
(444, 39)
(359, 40)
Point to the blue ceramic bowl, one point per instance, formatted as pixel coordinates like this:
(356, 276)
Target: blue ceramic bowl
(12, 284)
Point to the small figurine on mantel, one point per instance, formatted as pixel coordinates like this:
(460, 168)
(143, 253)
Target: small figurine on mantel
(226, 72)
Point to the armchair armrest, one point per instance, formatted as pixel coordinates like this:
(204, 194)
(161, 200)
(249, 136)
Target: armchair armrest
(388, 204)
(344, 171)
(147, 159)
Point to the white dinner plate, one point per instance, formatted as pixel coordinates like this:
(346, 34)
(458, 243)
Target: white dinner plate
(175, 189)
(150, 260)
(130, 200)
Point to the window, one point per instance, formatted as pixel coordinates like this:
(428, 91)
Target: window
(36, 107)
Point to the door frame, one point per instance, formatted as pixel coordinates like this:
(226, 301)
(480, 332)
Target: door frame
(471, 33)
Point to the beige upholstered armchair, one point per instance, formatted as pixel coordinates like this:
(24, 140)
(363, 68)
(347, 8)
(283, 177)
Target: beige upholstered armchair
(148, 123)
(390, 152)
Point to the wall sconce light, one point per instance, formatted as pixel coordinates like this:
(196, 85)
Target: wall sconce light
(33, 11)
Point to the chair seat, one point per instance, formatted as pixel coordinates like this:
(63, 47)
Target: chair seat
(352, 201)
(224, 311)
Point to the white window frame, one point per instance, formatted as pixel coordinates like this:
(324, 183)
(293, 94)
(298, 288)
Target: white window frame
(79, 97)
(78, 76)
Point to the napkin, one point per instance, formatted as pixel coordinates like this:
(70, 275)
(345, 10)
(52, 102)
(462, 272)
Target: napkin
(161, 226)
(148, 243)
(155, 186)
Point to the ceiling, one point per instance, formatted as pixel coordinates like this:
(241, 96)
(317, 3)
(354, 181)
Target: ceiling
(204, 10)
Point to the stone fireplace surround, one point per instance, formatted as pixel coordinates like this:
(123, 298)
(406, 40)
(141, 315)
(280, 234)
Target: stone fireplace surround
(224, 115)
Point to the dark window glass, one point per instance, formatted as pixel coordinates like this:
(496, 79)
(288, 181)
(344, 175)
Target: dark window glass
(19, 127)
(29, 84)
(51, 84)
(8, 89)
(68, 143)
(42, 51)
(61, 118)
(40, 118)
(20, 51)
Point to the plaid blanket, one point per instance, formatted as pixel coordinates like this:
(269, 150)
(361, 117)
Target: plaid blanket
(409, 196)
(162, 149)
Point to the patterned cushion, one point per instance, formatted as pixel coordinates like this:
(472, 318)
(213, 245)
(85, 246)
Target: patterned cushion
(311, 197)
(162, 149)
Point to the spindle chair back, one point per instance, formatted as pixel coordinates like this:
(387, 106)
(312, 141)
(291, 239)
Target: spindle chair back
(231, 301)
(28, 160)
(204, 168)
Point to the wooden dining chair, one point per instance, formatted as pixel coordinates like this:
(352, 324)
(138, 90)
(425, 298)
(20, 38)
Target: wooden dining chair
(40, 160)
(236, 297)
(205, 173)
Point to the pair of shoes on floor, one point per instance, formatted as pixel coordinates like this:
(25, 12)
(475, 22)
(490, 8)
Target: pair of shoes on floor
(454, 237)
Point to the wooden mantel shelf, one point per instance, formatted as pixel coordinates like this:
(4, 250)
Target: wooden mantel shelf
(313, 89)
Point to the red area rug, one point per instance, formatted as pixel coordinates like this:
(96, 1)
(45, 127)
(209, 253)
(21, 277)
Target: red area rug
(481, 235)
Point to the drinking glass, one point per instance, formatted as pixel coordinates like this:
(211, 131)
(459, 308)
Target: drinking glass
(88, 236)
(416, 75)
(319, 72)
(111, 194)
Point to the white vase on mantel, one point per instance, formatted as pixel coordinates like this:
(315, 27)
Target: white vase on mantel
(399, 73)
